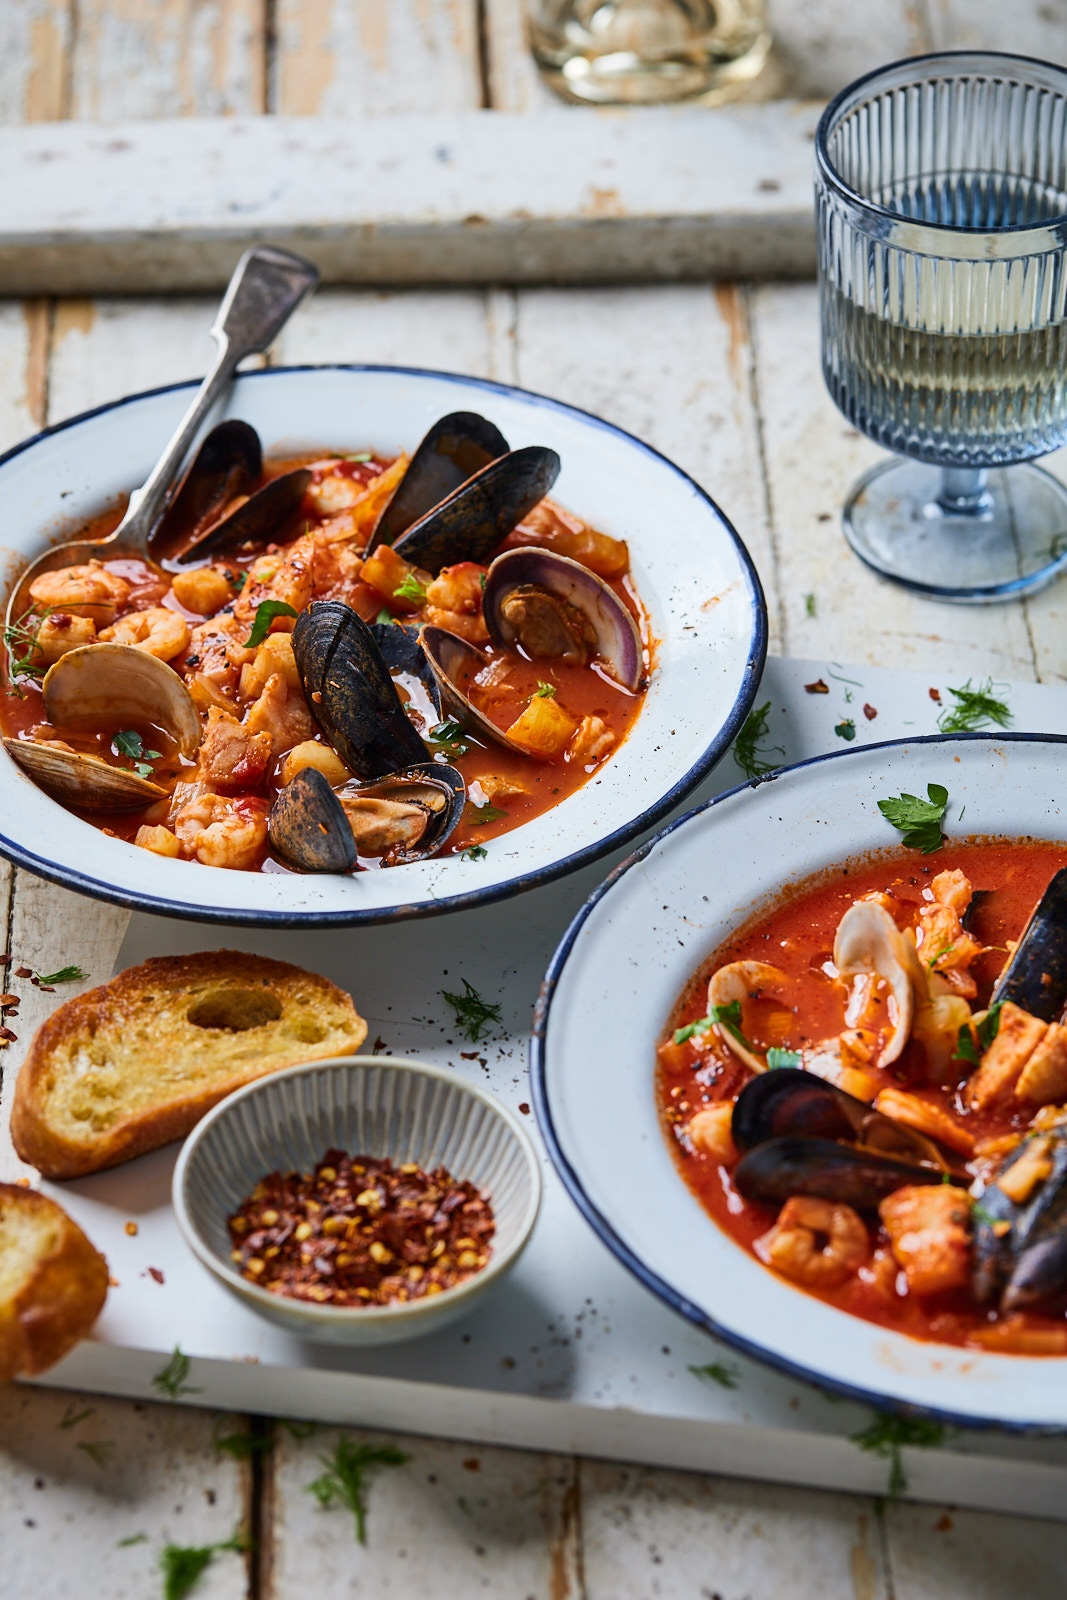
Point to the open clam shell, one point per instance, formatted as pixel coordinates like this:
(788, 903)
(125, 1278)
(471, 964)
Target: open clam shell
(479, 515)
(259, 518)
(551, 607)
(454, 662)
(453, 450)
(227, 464)
(82, 780)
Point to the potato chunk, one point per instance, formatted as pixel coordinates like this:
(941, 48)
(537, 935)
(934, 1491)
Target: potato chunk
(544, 729)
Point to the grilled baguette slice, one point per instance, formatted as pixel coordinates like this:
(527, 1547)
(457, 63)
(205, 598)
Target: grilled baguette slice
(52, 1282)
(136, 1063)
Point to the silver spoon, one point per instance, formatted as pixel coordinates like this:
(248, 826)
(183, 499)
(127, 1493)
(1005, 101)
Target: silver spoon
(266, 288)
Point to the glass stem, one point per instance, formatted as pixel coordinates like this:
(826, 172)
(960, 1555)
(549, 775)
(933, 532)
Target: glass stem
(963, 492)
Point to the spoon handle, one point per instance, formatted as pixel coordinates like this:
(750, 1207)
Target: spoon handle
(266, 288)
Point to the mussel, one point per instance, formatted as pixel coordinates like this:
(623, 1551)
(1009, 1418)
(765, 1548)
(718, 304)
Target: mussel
(551, 607)
(227, 464)
(802, 1135)
(1020, 1246)
(307, 825)
(106, 688)
(454, 449)
(408, 663)
(259, 518)
(475, 518)
(1035, 977)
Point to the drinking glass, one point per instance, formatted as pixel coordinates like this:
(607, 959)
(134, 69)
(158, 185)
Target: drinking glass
(641, 52)
(941, 196)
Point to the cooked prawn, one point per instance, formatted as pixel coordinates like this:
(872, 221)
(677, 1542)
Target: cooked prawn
(815, 1242)
(83, 591)
(158, 631)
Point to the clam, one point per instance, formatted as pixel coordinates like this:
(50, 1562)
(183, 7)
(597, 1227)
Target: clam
(870, 946)
(475, 518)
(1020, 1247)
(102, 688)
(1035, 977)
(455, 662)
(551, 607)
(454, 449)
(227, 464)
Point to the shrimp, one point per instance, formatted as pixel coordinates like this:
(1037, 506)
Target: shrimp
(85, 591)
(158, 631)
(816, 1243)
(221, 832)
(285, 577)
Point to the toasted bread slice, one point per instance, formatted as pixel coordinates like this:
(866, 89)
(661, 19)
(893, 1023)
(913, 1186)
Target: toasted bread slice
(52, 1282)
(136, 1063)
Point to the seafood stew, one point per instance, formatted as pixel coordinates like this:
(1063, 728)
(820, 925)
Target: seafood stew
(334, 662)
(866, 1088)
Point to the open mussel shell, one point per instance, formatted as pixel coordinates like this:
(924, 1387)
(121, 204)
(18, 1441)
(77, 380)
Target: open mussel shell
(433, 787)
(454, 662)
(1020, 1251)
(260, 518)
(551, 607)
(480, 514)
(454, 449)
(773, 1172)
(351, 694)
(1036, 976)
(308, 828)
(405, 657)
(791, 1103)
(227, 464)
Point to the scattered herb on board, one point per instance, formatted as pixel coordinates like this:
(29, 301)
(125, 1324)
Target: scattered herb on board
(129, 743)
(72, 1416)
(344, 1481)
(886, 1435)
(481, 815)
(721, 1372)
(974, 708)
(450, 738)
(845, 729)
(184, 1565)
(299, 1430)
(132, 1538)
(545, 691)
(809, 604)
(266, 612)
(975, 1038)
(243, 1446)
(411, 589)
(782, 1058)
(747, 753)
(474, 852)
(47, 980)
(169, 1381)
(728, 1017)
(98, 1450)
(473, 1014)
(918, 821)
(20, 639)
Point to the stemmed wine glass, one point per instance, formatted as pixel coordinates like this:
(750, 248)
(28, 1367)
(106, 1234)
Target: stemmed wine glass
(941, 193)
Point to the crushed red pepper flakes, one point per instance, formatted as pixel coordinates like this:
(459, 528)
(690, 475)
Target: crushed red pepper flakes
(935, 694)
(359, 1231)
(818, 687)
(870, 712)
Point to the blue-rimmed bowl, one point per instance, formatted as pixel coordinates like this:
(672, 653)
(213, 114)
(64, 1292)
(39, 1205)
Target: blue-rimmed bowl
(366, 1105)
(704, 599)
(611, 988)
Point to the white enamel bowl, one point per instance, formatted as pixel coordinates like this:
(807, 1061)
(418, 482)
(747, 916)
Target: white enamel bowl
(706, 606)
(366, 1105)
(611, 988)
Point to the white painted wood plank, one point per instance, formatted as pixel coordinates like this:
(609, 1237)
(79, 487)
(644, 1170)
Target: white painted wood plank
(813, 457)
(22, 371)
(65, 1511)
(648, 1534)
(358, 58)
(1027, 27)
(822, 45)
(948, 1554)
(34, 44)
(167, 58)
(473, 197)
(455, 1520)
(103, 349)
(440, 328)
(514, 81)
(672, 365)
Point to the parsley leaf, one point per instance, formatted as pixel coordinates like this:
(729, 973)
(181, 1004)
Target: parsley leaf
(344, 1480)
(886, 1435)
(724, 1373)
(747, 753)
(266, 612)
(782, 1058)
(384, 616)
(184, 1565)
(170, 1380)
(133, 1538)
(845, 729)
(130, 744)
(918, 821)
(98, 1450)
(473, 1014)
(450, 738)
(411, 589)
(474, 852)
(481, 815)
(974, 708)
(728, 1017)
(972, 1046)
(545, 691)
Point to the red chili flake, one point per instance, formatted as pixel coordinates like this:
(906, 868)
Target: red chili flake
(24, 972)
(870, 712)
(46, 988)
(818, 687)
(468, 1055)
(524, 1108)
(472, 1464)
(935, 694)
(155, 1274)
(6, 1033)
(5, 959)
(9, 1001)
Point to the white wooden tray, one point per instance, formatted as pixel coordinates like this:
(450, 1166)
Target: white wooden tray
(571, 1354)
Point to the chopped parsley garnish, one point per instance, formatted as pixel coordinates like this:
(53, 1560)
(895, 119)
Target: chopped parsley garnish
(747, 753)
(545, 691)
(782, 1058)
(98, 1450)
(384, 616)
(974, 708)
(266, 612)
(728, 1017)
(184, 1565)
(809, 604)
(450, 738)
(918, 821)
(63, 975)
(344, 1481)
(20, 639)
(886, 1435)
(975, 1038)
(845, 729)
(72, 1416)
(364, 455)
(130, 744)
(411, 589)
(724, 1373)
(481, 815)
(133, 1538)
(169, 1381)
(473, 1014)
(474, 852)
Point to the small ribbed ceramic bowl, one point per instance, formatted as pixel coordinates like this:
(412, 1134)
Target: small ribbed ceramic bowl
(367, 1105)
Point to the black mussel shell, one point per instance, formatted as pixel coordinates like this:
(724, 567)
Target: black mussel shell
(402, 652)
(262, 516)
(454, 449)
(1025, 1263)
(789, 1102)
(350, 693)
(414, 785)
(480, 514)
(308, 828)
(771, 1173)
(1036, 976)
(228, 463)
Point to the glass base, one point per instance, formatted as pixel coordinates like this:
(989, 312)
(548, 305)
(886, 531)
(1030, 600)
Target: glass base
(969, 536)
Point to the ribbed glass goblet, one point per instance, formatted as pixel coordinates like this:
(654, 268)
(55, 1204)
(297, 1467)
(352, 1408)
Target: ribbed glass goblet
(941, 193)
